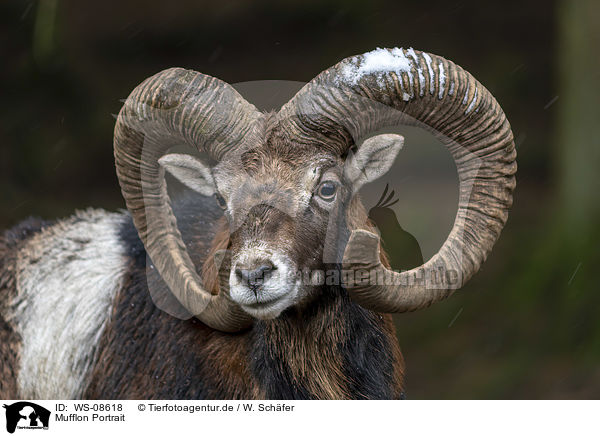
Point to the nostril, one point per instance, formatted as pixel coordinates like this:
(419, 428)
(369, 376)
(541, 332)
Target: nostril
(263, 269)
(240, 274)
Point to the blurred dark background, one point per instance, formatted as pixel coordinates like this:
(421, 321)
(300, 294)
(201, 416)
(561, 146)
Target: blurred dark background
(527, 326)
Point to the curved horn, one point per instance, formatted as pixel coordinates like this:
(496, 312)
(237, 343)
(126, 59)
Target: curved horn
(389, 87)
(176, 107)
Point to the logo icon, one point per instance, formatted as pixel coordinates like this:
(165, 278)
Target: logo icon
(26, 415)
(403, 249)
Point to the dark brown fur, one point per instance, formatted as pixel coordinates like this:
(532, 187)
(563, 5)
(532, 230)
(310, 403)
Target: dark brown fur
(148, 354)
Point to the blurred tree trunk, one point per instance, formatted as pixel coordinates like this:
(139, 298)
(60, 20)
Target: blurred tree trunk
(578, 152)
(573, 266)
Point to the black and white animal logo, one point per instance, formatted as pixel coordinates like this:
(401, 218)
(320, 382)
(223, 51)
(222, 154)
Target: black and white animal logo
(26, 415)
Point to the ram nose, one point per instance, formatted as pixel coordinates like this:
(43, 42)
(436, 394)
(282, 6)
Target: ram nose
(255, 274)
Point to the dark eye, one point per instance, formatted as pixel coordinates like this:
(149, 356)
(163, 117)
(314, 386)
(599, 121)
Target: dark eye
(327, 191)
(221, 201)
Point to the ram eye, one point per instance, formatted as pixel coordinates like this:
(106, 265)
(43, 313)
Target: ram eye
(327, 190)
(221, 201)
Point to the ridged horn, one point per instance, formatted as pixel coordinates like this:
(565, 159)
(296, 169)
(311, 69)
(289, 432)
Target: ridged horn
(176, 107)
(389, 87)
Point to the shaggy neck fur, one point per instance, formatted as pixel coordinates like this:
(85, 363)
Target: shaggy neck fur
(332, 349)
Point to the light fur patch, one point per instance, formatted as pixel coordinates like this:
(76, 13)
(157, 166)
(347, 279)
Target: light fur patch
(277, 293)
(67, 277)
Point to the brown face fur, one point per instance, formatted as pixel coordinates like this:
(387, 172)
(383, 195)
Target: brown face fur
(279, 219)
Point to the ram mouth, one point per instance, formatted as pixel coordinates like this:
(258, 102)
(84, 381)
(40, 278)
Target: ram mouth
(269, 309)
(265, 305)
(262, 304)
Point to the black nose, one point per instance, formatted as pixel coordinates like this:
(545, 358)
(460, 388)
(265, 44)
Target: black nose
(252, 276)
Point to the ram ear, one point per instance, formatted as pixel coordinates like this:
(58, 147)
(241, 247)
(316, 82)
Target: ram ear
(190, 171)
(373, 159)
